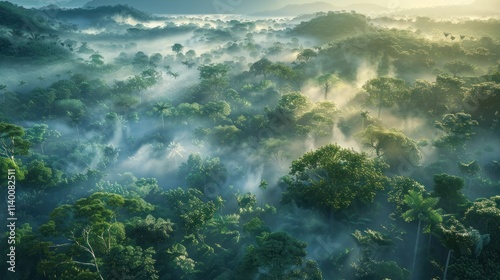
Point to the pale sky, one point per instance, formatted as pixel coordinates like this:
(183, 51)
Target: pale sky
(383, 3)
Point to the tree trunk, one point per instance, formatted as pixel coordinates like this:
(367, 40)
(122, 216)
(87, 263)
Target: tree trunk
(468, 187)
(379, 109)
(416, 249)
(447, 263)
(77, 133)
(162, 123)
(429, 244)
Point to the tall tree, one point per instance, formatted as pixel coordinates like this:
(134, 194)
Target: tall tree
(306, 55)
(162, 109)
(177, 48)
(385, 91)
(458, 128)
(421, 209)
(333, 179)
(40, 133)
(261, 67)
(327, 82)
(449, 191)
(278, 256)
(12, 141)
(391, 145)
(459, 66)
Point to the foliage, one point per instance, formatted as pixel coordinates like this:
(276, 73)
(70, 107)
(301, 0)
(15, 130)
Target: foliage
(346, 24)
(278, 256)
(458, 128)
(385, 92)
(332, 178)
(391, 145)
(12, 141)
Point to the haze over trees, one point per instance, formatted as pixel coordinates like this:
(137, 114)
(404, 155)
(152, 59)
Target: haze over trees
(334, 145)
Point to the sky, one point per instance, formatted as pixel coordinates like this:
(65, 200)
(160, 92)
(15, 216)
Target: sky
(383, 3)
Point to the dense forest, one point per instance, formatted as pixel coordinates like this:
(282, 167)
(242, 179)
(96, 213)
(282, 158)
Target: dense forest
(326, 146)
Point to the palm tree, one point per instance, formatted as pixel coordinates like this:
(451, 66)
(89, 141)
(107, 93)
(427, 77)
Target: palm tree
(163, 110)
(422, 209)
(175, 151)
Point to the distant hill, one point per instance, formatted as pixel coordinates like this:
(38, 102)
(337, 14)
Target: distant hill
(298, 9)
(333, 26)
(189, 6)
(310, 8)
(17, 17)
(477, 8)
(32, 36)
(102, 12)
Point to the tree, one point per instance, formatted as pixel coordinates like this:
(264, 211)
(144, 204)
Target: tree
(449, 191)
(391, 145)
(332, 178)
(191, 212)
(306, 55)
(45, 98)
(373, 244)
(224, 135)
(214, 77)
(175, 151)
(202, 173)
(155, 59)
(145, 80)
(261, 67)
(162, 109)
(319, 121)
(128, 261)
(399, 187)
(327, 82)
(459, 66)
(216, 111)
(141, 61)
(150, 230)
(283, 72)
(385, 91)
(182, 266)
(42, 176)
(97, 60)
(12, 141)
(213, 71)
(469, 170)
(191, 54)
(39, 133)
(288, 110)
(278, 256)
(91, 228)
(484, 215)
(422, 209)
(177, 48)
(458, 128)
(467, 245)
